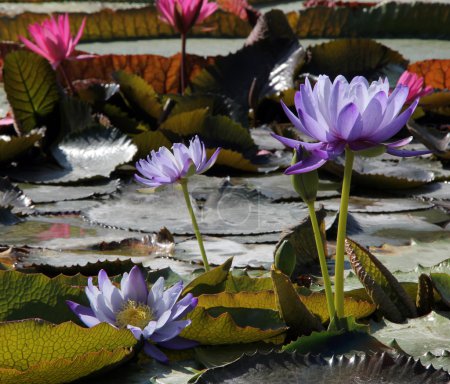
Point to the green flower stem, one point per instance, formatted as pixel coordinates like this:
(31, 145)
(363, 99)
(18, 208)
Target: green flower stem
(342, 230)
(322, 259)
(194, 224)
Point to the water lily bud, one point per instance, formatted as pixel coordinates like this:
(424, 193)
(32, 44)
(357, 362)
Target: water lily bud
(285, 259)
(305, 184)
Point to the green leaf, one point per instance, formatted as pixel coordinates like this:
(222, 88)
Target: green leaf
(441, 281)
(34, 351)
(34, 295)
(31, 88)
(11, 147)
(352, 57)
(418, 337)
(209, 282)
(139, 94)
(296, 315)
(148, 141)
(330, 343)
(384, 289)
(217, 325)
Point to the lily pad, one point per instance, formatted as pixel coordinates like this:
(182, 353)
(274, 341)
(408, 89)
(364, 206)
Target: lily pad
(93, 153)
(292, 367)
(12, 147)
(227, 211)
(48, 356)
(417, 337)
(441, 282)
(52, 193)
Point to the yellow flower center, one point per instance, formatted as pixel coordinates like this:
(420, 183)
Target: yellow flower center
(133, 313)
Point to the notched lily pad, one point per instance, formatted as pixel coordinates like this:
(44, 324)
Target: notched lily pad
(59, 353)
(92, 153)
(12, 200)
(292, 367)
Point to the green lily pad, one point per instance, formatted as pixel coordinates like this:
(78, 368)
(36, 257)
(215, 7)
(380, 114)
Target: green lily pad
(31, 87)
(59, 353)
(26, 296)
(377, 205)
(417, 337)
(12, 147)
(441, 282)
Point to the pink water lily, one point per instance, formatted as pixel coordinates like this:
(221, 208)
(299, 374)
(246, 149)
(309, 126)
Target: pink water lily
(52, 39)
(184, 14)
(416, 86)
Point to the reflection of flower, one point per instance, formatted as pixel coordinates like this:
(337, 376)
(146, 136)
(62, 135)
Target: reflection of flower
(415, 83)
(357, 115)
(150, 315)
(164, 167)
(184, 14)
(52, 39)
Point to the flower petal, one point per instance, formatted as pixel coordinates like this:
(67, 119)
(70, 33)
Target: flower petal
(152, 351)
(170, 330)
(135, 286)
(179, 343)
(85, 314)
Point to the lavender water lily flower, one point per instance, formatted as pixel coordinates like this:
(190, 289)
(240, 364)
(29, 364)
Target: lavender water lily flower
(165, 167)
(340, 115)
(154, 315)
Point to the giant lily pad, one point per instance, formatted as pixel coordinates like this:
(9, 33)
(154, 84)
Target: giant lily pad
(282, 367)
(61, 353)
(92, 153)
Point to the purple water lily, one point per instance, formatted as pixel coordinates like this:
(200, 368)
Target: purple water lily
(165, 167)
(154, 316)
(357, 115)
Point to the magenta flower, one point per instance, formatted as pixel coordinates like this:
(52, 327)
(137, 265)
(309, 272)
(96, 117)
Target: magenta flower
(357, 115)
(184, 14)
(415, 83)
(153, 316)
(52, 39)
(164, 167)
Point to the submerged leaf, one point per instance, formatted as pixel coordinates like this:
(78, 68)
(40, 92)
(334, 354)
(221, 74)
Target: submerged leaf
(30, 84)
(380, 284)
(59, 353)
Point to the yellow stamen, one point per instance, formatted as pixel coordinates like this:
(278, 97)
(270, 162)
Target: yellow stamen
(133, 313)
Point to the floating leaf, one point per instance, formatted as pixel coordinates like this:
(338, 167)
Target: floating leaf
(436, 73)
(25, 296)
(59, 353)
(30, 84)
(417, 337)
(162, 73)
(376, 173)
(209, 282)
(11, 147)
(380, 284)
(92, 153)
(441, 281)
(436, 140)
(352, 57)
(12, 200)
(232, 159)
(233, 325)
(296, 315)
(282, 367)
(257, 299)
(437, 103)
(149, 141)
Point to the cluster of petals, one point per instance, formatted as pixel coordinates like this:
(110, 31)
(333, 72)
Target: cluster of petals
(52, 39)
(415, 84)
(107, 301)
(184, 14)
(340, 115)
(165, 167)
